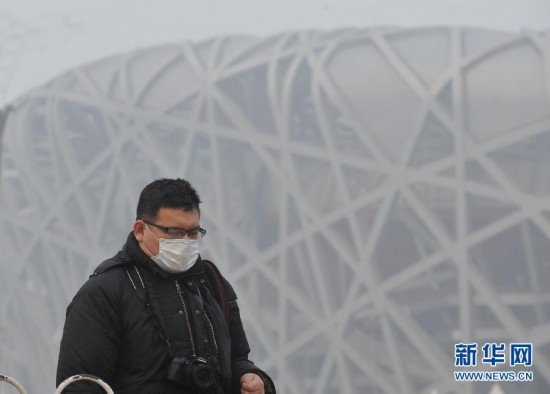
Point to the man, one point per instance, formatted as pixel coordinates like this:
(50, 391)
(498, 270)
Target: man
(156, 318)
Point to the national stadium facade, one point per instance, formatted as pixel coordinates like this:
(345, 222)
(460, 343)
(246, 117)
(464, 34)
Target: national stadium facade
(376, 197)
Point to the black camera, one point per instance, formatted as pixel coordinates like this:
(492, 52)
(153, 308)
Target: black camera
(194, 372)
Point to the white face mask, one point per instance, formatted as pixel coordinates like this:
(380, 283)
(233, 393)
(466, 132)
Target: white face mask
(175, 255)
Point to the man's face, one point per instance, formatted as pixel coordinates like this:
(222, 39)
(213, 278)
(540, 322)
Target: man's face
(166, 217)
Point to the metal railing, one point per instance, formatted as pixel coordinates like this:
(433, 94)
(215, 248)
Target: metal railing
(13, 382)
(63, 385)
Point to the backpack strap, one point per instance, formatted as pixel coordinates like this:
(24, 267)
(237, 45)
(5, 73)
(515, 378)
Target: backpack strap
(216, 279)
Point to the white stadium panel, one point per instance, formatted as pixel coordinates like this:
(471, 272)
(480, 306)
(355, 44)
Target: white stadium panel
(375, 196)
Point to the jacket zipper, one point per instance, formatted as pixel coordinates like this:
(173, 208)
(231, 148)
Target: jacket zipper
(212, 333)
(178, 288)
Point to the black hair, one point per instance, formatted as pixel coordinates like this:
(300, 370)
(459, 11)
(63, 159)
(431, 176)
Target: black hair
(166, 193)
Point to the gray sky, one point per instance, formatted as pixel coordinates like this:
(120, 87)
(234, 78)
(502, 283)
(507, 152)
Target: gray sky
(40, 39)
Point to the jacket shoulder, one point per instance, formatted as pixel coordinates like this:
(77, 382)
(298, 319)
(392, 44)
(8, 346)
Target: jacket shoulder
(106, 281)
(120, 259)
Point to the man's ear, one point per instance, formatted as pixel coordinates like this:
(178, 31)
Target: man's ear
(139, 229)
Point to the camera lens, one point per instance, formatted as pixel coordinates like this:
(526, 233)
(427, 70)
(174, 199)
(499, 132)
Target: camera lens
(203, 376)
(193, 373)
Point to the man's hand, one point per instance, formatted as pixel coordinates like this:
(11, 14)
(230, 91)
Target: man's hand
(252, 384)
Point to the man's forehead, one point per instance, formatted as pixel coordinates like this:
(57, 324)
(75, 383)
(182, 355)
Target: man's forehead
(170, 212)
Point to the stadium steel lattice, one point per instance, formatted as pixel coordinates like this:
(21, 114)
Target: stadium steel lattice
(375, 196)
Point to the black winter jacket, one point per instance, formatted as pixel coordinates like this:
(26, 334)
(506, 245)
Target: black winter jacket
(127, 323)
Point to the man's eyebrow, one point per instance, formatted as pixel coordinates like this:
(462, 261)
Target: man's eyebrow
(184, 229)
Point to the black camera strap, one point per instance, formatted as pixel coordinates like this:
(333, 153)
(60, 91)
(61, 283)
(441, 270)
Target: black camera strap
(217, 286)
(143, 295)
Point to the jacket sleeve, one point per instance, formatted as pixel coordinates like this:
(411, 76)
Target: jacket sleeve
(90, 342)
(240, 364)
